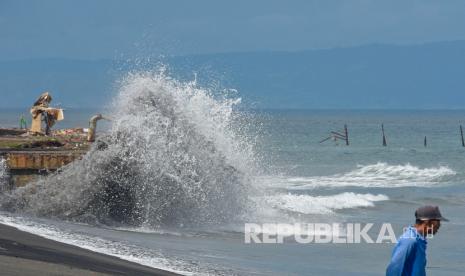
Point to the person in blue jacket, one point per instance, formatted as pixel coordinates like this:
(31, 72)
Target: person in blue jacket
(409, 255)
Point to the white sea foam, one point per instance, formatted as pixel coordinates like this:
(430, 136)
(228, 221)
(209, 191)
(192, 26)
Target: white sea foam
(144, 256)
(273, 210)
(377, 175)
(307, 204)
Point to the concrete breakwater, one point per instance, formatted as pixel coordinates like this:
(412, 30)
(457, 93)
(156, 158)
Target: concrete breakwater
(28, 157)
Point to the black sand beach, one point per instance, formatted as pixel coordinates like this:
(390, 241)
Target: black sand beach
(22, 253)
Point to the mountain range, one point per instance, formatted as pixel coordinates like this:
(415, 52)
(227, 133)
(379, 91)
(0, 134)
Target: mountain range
(426, 76)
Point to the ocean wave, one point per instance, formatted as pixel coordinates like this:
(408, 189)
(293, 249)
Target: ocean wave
(307, 204)
(377, 175)
(173, 156)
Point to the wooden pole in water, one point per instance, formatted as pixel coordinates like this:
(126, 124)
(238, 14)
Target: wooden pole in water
(384, 136)
(347, 135)
(424, 142)
(461, 133)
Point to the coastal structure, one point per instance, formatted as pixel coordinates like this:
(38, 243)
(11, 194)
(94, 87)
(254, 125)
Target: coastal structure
(28, 157)
(37, 151)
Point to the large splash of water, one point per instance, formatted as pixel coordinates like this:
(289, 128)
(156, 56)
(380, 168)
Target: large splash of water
(172, 157)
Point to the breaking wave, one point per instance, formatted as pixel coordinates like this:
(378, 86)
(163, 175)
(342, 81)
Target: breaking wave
(171, 157)
(306, 204)
(377, 175)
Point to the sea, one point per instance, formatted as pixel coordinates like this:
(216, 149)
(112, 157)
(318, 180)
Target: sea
(180, 170)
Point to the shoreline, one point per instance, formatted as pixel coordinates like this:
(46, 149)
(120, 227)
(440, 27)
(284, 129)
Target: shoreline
(24, 253)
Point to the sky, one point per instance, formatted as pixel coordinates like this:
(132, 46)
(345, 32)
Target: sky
(114, 29)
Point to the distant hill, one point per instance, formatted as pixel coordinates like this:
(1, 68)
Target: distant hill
(376, 76)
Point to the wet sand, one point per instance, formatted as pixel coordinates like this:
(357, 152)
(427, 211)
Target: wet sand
(22, 253)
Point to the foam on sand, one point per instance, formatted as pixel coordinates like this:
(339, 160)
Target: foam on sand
(120, 249)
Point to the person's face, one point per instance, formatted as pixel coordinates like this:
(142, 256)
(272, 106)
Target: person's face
(433, 226)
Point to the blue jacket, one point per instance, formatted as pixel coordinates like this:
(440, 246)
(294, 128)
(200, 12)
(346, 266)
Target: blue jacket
(409, 255)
